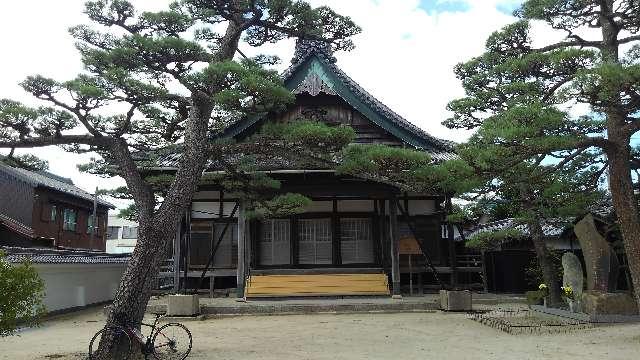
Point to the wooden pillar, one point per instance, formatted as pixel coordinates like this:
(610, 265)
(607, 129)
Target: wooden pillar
(410, 276)
(452, 244)
(485, 283)
(336, 255)
(176, 258)
(395, 245)
(248, 247)
(377, 238)
(384, 235)
(186, 247)
(242, 242)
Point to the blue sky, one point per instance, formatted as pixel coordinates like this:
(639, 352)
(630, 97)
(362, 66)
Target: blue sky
(507, 7)
(431, 6)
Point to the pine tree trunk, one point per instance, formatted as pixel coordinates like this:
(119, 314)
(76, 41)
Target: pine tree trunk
(137, 281)
(157, 228)
(619, 154)
(626, 208)
(545, 261)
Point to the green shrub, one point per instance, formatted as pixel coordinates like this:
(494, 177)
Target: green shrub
(22, 293)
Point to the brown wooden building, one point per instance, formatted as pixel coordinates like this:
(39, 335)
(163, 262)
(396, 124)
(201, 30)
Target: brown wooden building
(43, 209)
(356, 238)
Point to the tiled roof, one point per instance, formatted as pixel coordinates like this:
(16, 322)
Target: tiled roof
(441, 149)
(50, 181)
(16, 226)
(61, 256)
(551, 228)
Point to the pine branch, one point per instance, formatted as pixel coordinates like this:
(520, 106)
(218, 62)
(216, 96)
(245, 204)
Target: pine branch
(565, 44)
(53, 140)
(629, 39)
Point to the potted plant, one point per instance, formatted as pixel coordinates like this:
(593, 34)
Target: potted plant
(569, 295)
(544, 291)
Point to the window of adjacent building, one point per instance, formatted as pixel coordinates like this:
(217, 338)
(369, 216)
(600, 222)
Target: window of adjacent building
(315, 241)
(112, 232)
(98, 228)
(129, 232)
(275, 242)
(70, 219)
(356, 242)
(89, 224)
(54, 213)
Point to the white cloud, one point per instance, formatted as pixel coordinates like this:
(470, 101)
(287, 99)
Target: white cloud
(404, 56)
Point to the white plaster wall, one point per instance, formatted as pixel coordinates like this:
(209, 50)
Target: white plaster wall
(561, 244)
(422, 207)
(121, 246)
(206, 195)
(320, 206)
(72, 285)
(355, 205)
(210, 210)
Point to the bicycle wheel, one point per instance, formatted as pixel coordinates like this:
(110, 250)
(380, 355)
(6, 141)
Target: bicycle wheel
(172, 341)
(124, 350)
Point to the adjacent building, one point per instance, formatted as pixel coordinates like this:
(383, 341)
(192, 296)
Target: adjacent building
(122, 235)
(510, 266)
(40, 209)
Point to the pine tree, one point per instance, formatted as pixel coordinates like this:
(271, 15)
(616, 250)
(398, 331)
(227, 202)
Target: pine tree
(173, 80)
(531, 97)
(534, 194)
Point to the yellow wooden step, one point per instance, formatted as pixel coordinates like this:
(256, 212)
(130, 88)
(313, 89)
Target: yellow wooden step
(316, 285)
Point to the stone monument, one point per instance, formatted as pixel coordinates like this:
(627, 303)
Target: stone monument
(597, 300)
(572, 276)
(596, 252)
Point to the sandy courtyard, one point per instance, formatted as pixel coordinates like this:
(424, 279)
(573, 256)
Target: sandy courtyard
(359, 336)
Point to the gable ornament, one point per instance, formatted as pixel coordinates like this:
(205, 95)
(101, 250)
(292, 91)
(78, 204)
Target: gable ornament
(313, 85)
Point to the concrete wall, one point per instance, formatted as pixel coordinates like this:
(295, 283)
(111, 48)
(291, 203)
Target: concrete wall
(121, 246)
(75, 285)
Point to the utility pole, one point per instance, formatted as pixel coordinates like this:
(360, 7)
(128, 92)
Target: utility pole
(93, 219)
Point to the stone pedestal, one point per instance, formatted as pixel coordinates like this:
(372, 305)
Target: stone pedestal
(603, 303)
(183, 305)
(455, 300)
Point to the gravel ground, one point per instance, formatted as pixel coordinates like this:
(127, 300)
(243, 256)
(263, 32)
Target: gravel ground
(404, 336)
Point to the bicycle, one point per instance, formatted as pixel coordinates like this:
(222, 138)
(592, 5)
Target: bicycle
(170, 341)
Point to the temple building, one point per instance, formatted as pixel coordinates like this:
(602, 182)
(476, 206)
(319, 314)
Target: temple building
(358, 237)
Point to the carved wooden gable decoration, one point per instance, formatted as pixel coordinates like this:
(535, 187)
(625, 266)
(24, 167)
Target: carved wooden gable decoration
(313, 85)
